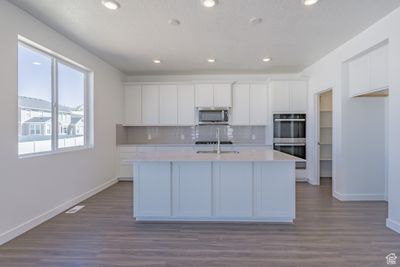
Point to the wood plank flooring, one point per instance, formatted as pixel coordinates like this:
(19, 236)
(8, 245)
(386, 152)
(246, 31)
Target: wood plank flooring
(326, 232)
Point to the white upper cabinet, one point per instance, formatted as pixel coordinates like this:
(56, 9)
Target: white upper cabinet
(379, 68)
(289, 96)
(222, 95)
(168, 105)
(213, 95)
(250, 104)
(241, 104)
(186, 105)
(359, 75)
(258, 104)
(369, 73)
(204, 95)
(150, 105)
(133, 105)
(280, 96)
(298, 99)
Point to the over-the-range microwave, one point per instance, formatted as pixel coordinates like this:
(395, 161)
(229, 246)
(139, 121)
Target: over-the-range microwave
(213, 116)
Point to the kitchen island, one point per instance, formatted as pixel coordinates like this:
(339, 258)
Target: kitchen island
(251, 185)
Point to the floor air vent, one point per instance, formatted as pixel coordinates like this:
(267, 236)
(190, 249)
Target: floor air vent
(75, 209)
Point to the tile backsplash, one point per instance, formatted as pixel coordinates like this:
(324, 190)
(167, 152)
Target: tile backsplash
(189, 134)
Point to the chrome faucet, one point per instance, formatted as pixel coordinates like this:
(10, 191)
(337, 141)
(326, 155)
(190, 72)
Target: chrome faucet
(218, 142)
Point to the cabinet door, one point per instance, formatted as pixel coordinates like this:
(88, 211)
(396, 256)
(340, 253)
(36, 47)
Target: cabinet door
(280, 96)
(233, 192)
(150, 105)
(359, 75)
(241, 104)
(204, 95)
(258, 104)
(222, 95)
(186, 105)
(191, 187)
(379, 68)
(133, 105)
(168, 105)
(152, 189)
(298, 98)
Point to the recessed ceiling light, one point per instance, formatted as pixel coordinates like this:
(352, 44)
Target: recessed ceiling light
(211, 60)
(209, 3)
(174, 22)
(255, 20)
(111, 4)
(156, 61)
(310, 2)
(37, 63)
(267, 59)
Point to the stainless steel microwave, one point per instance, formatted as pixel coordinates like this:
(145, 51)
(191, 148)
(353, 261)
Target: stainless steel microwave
(213, 116)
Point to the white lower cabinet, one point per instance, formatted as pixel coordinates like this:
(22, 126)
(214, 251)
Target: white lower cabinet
(147, 201)
(269, 183)
(233, 183)
(192, 189)
(214, 191)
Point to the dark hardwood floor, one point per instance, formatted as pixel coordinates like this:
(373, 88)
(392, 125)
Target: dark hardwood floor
(326, 232)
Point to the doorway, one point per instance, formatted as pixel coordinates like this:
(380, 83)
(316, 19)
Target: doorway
(324, 136)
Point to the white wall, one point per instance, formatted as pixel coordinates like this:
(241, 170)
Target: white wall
(359, 123)
(34, 189)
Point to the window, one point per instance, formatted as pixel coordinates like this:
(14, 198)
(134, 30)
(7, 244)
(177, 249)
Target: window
(52, 101)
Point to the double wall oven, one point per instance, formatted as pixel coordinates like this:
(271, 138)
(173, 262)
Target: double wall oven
(290, 135)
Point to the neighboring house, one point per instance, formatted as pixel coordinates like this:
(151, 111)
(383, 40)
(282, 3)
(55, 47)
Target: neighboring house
(37, 126)
(34, 117)
(77, 126)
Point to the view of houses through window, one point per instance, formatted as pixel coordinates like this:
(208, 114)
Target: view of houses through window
(43, 102)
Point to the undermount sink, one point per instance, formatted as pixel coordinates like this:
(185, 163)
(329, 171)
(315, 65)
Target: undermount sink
(215, 152)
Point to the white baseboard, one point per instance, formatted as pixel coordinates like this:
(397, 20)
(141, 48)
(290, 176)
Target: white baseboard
(28, 225)
(125, 179)
(359, 197)
(395, 226)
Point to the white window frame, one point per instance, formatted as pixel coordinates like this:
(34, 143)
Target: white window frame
(56, 58)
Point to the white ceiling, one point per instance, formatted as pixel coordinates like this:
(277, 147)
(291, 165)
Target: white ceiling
(294, 35)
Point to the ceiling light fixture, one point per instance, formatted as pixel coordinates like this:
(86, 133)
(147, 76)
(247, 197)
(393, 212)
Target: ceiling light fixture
(211, 60)
(111, 4)
(310, 2)
(37, 63)
(156, 61)
(255, 20)
(267, 59)
(209, 3)
(174, 22)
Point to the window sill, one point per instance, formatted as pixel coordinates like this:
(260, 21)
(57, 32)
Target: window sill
(58, 151)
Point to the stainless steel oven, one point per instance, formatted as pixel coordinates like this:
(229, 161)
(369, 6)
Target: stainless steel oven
(290, 135)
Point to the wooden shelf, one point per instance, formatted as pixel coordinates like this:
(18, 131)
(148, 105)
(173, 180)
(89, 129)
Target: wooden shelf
(326, 110)
(325, 159)
(325, 144)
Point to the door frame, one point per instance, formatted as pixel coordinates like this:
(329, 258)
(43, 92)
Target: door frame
(317, 129)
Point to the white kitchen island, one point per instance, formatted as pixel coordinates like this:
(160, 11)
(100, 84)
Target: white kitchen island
(186, 186)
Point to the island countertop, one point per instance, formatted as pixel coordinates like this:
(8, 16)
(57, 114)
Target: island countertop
(264, 155)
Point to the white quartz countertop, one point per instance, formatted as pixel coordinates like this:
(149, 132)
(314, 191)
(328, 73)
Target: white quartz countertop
(265, 155)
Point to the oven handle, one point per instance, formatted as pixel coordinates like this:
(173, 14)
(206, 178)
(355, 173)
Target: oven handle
(280, 144)
(290, 120)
